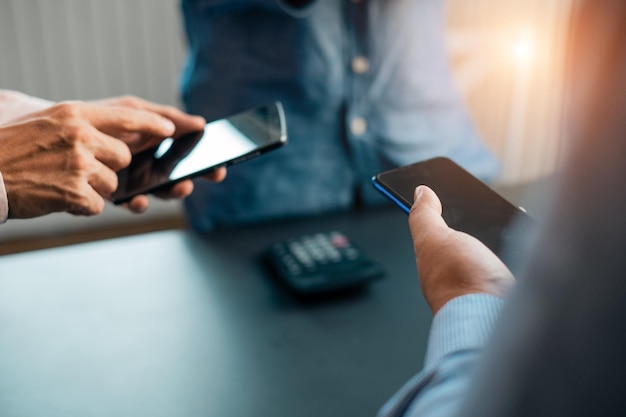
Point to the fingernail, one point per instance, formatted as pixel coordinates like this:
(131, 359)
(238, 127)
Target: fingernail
(419, 192)
(168, 125)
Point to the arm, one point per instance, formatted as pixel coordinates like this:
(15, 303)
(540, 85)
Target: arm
(14, 104)
(560, 342)
(561, 338)
(463, 283)
(79, 146)
(64, 158)
(458, 333)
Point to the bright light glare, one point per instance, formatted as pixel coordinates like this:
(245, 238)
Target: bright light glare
(163, 147)
(523, 48)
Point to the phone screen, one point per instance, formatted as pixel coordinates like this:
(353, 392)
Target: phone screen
(222, 142)
(469, 205)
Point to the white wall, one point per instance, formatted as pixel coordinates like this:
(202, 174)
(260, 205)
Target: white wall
(87, 49)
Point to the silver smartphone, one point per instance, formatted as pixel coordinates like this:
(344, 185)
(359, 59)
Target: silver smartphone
(222, 142)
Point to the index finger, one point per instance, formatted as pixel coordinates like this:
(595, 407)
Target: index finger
(110, 151)
(114, 120)
(185, 123)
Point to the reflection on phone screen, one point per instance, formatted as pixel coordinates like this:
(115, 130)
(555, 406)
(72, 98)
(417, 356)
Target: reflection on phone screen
(222, 142)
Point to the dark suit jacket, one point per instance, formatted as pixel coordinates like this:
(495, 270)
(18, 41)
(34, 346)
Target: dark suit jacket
(560, 347)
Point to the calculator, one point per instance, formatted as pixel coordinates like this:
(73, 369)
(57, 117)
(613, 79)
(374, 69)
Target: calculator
(321, 263)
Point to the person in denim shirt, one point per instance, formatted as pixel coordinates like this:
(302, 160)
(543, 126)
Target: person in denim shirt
(366, 86)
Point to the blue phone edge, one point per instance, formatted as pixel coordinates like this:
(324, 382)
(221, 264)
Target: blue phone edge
(391, 197)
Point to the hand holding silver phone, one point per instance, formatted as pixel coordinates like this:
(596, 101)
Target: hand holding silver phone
(222, 142)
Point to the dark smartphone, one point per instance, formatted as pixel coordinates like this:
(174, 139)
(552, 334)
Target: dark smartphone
(222, 142)
(469, 205)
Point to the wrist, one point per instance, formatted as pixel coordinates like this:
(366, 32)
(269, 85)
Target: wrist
(463, 323)
(448, 281)
(496, 288)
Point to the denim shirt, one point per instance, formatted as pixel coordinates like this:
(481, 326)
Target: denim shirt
(366, 86)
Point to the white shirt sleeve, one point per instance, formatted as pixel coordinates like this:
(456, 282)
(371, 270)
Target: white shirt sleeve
(14, 104)
(4, 202)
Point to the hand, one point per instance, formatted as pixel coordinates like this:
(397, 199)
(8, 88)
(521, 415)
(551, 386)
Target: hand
(64, 158)
(451, 263)
(183, 122)
(180, 190)
(138, 141)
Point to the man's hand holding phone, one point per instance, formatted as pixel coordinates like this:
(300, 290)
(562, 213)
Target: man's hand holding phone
(451, 263)
(469, 205)
(183, 124)
(463, 232)
(169, 165)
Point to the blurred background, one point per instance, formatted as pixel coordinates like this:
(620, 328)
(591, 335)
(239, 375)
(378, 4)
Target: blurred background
(507, 56)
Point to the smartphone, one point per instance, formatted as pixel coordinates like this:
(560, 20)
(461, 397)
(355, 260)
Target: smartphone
(469, 205)
(221, 143)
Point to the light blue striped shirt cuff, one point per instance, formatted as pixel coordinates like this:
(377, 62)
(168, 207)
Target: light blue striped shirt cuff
(457, 335)
(464, 322)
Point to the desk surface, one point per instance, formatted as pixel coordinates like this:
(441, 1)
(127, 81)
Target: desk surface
(177, 324)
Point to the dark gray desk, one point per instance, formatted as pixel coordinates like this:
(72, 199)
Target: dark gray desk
(177, 324)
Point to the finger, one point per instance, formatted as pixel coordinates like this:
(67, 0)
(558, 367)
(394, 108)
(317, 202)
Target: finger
(112, 152)
(425, 203)
(184, 122)
(217, 176)
(138, 204)
(103, 180)
(117, 119)
(178, 190)
(425, 216)
(87, 203)
(148, 141)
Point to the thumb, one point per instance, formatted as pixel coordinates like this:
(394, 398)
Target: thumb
(425, 216)
(424, 198)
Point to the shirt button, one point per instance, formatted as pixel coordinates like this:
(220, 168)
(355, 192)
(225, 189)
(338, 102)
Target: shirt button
(360, 65)
(358, 126)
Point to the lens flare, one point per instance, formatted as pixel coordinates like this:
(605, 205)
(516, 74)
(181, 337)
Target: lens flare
(523, 47)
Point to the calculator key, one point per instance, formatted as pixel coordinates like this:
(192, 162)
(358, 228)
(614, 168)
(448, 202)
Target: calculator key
(321, 262)
(335, 257)
(304, 259)
(300, 253)
(294, 269)
(339, 241)
(288, 260)
(318, 255)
